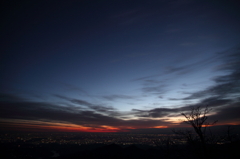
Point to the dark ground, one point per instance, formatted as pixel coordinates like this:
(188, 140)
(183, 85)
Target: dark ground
(100, 151)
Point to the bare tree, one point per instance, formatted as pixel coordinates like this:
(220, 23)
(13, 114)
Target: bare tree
(197, 118)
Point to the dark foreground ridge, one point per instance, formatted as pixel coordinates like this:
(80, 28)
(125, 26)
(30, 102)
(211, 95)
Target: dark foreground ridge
(119, 145)
(114, 151)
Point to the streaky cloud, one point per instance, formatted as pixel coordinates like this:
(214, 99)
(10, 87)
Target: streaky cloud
(115, 97)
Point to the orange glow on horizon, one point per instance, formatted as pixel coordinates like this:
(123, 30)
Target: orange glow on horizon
(23, 125)
(55, 126)
(76, 128)
(162, 127)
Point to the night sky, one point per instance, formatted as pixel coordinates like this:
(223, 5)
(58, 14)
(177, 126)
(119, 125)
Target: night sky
(117, 65)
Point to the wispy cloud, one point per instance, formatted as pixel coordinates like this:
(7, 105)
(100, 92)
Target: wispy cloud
(177, 70)
(226, 86)
(116, 97)
(160, 89)
(95, 107)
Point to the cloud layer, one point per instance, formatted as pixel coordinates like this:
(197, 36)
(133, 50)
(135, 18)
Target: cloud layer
(223, 97)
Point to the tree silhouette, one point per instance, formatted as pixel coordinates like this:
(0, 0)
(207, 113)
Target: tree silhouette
(197, 118)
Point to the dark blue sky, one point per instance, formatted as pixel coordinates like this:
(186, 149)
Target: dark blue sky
(119, 61)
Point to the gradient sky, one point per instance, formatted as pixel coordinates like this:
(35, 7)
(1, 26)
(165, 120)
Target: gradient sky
(89, 65)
